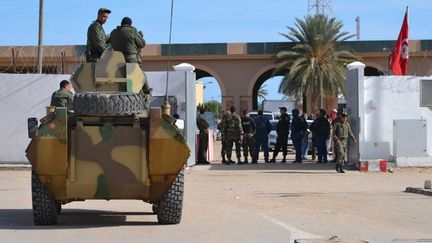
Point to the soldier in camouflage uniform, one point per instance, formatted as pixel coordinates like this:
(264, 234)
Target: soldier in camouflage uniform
(233, 132)
(128, 40)
(96, 37)
(341, 133)
(203, 126)
(223, 137)
(62, 97)
(248, 126)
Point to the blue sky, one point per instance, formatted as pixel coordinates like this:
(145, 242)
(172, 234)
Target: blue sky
(196, 21)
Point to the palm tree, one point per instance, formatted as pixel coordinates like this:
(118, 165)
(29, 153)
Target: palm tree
(316, 65)
(262, 92)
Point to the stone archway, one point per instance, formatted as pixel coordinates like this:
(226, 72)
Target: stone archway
(262, 76)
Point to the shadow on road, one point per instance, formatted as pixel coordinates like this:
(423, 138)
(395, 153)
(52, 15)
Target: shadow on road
(22, 219)
(303, 168)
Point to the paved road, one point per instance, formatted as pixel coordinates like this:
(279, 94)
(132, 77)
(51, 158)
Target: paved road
(247, 203)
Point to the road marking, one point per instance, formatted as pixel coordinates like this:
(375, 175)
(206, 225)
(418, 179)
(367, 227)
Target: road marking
(294, 232)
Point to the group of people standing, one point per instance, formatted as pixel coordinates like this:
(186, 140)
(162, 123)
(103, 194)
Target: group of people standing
(251, 135)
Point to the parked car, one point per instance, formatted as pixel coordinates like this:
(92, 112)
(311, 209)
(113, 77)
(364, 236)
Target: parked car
(273, 135)
(270, 115)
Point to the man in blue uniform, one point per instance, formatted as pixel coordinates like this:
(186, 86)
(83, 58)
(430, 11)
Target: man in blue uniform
(263, 128)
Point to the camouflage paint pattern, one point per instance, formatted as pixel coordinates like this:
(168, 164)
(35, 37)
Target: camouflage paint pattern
(128, 157)
(110, 73)
(47, 152)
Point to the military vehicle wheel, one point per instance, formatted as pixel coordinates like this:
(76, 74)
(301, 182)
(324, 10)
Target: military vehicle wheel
(58, 208)
(108, 104)
(44, 205)
(171, 205)
(155, 208)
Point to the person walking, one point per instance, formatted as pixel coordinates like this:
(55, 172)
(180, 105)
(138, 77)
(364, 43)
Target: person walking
(203, 126)
(233, 131)
(63, 97)
(248, 126)
(263, 128)
(341, 133)
(298, 128)
(96, 37)
(282, 131)
(128, 40)
(321, 128)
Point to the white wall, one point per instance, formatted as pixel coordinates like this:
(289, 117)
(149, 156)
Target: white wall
(22, 96)
(26, 95)
(393, 98)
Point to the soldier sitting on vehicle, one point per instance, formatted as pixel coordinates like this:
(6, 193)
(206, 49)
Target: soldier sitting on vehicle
(128, 40)
(62, 97)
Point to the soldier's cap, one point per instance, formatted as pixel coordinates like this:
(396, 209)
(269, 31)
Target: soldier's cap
(283, 108)
(344, 114)
(104, 10)
(202, 111)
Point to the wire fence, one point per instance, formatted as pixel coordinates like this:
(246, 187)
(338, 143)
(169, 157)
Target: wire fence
(23, 59)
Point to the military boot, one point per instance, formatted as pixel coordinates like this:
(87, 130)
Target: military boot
(239, 161)
(246, 160)
(284, 159)
(223, 160)
(338, 168)
(229, 161)
(341, 169)
(273, 160)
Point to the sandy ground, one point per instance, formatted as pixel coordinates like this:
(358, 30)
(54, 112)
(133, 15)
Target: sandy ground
(240, 203)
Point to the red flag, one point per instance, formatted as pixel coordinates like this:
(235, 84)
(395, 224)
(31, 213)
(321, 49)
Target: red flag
(400, 53)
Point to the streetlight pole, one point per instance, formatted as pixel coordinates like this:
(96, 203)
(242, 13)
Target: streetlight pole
(40, 39)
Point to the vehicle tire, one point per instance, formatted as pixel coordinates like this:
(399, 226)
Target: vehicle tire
(108, 104)
(155, 208)
(44, 205)
(171, 205)
(58, 208)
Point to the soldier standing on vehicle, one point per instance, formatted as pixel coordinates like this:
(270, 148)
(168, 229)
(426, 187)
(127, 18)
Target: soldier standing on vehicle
(96, 37)
(248, 126)
(263, 128)
(298, 128)
(128, 40)
(282, 131)
(63, 97)
(203, 126)
(341, 133)
(233, 131)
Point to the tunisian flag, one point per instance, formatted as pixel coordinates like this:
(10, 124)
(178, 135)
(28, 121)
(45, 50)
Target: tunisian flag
(400, 53)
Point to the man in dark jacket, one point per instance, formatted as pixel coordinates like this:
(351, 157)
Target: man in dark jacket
(298, 128)
(282, 131)
(263, 128)
(128, 40)
(321, 129)
(248, 125)
(96, 37)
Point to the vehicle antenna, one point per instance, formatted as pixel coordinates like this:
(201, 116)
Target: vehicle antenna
(166, 106)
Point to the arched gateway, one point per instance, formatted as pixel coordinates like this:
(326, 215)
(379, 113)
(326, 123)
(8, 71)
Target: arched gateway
(239, 68)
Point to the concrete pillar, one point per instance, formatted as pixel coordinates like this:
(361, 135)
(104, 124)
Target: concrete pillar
(355, 104)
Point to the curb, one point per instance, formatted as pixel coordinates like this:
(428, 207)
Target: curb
(427, 192)
(15, 166)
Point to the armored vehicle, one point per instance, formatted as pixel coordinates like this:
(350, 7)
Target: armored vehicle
(111, 146)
